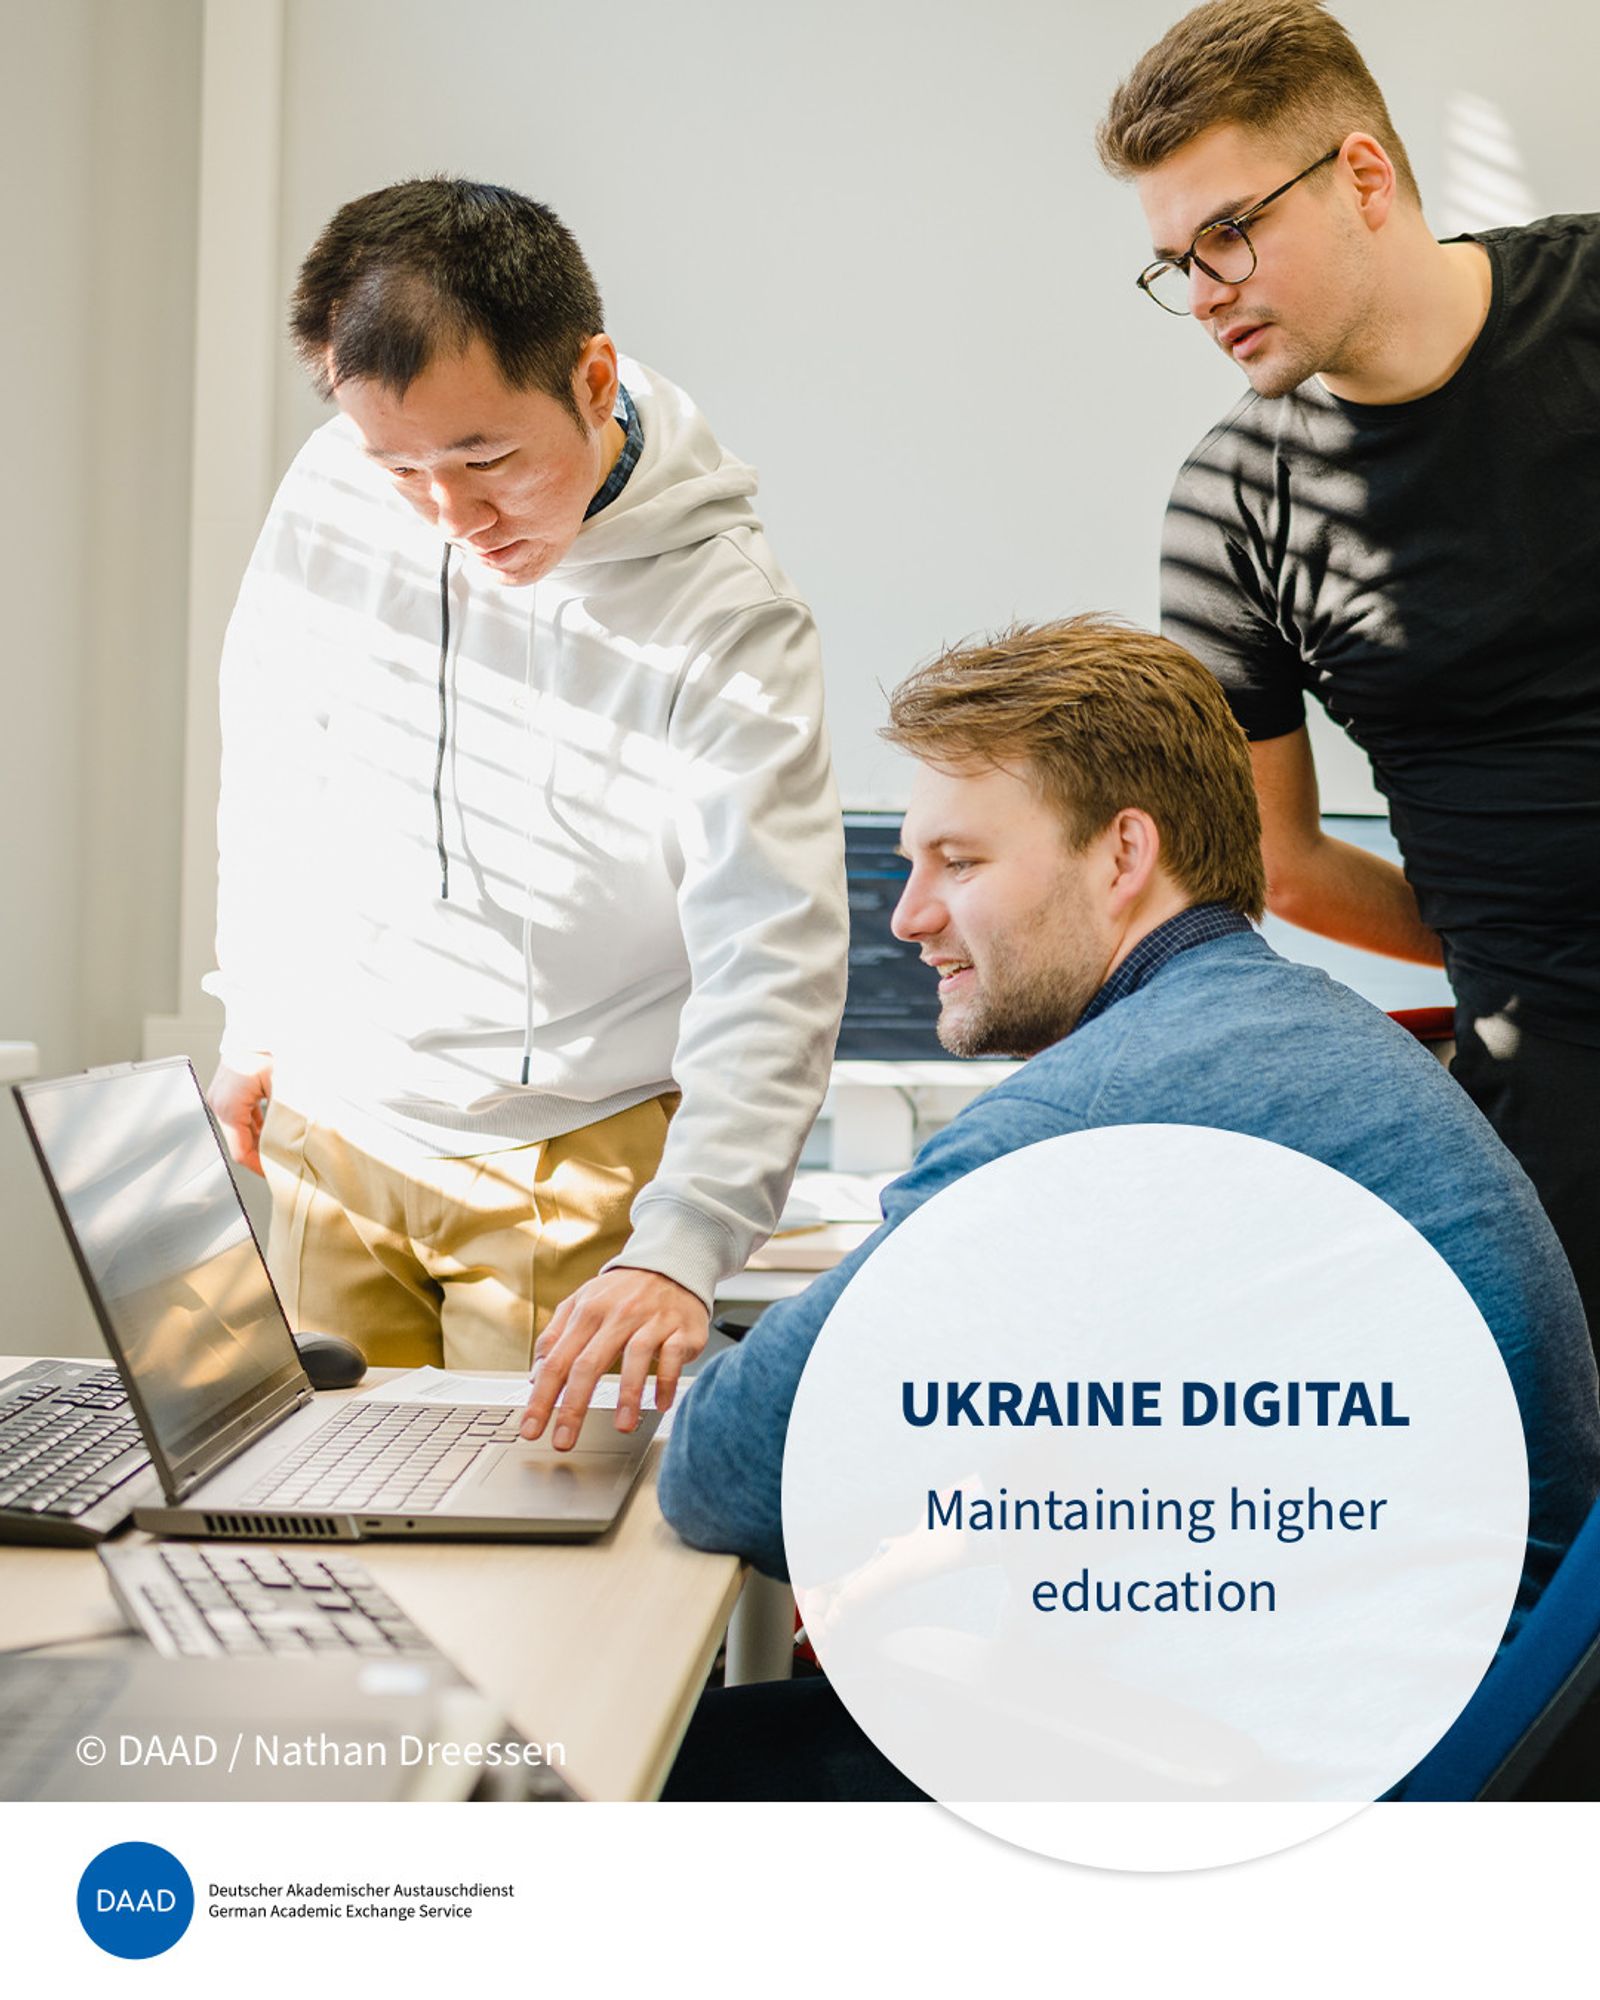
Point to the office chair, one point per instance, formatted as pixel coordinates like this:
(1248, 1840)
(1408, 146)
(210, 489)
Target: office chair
(1434, 1027)
(1500, 1745)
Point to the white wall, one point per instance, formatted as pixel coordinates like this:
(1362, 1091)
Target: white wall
(98, 111)
(47, 353)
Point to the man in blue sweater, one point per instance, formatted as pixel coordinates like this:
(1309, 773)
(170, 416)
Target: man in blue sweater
(1085, 864)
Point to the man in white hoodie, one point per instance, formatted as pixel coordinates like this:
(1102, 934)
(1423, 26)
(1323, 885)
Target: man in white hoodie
(527, 829)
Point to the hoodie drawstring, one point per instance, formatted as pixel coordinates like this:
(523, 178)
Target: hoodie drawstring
(529, 734)
(438, 796)
(444, 725)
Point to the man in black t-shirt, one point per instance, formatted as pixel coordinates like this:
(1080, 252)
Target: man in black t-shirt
(1402, 517)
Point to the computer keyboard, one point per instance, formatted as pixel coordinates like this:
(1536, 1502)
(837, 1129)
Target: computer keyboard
(192, 1601)
(386, 1455)
(42, 1701)
(72, 1461)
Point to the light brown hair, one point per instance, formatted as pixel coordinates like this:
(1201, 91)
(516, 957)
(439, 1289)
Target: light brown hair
(1105, 716)
(1282, 67)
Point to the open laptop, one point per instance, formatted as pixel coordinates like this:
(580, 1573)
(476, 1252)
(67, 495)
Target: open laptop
(171, 1264)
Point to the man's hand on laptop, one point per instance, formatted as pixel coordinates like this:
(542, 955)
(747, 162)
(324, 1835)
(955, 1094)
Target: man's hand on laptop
(239, 1098)
(639, 1316)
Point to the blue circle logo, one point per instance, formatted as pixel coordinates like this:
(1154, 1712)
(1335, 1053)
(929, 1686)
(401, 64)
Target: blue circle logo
(135, 1900)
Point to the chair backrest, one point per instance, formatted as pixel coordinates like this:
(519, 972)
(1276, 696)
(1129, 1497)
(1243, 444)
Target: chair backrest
(1530, 1694)
(1428, 1024)
(1434, 1027)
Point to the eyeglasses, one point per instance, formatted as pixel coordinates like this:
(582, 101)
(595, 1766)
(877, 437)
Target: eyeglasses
(1222, 250)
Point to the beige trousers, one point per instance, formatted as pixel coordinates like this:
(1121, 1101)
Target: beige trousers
(455, 1262)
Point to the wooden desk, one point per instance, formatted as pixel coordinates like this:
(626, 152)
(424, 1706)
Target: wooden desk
(600, 1646)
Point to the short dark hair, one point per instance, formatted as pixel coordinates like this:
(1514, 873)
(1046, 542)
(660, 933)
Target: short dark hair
(426, 266)
(1284, 67)
(1105, 716)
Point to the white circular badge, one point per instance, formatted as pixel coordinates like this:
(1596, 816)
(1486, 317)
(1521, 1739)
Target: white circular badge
(1149, 1477)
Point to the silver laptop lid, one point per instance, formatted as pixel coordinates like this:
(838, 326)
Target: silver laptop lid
(169, 1260)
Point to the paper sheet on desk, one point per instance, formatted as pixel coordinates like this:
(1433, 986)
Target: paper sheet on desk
(817, 1199)
(500, 1391)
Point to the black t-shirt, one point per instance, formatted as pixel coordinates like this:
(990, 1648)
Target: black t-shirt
(1430, 572)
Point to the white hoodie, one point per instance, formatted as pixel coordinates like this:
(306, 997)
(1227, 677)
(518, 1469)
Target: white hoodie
(645, 867)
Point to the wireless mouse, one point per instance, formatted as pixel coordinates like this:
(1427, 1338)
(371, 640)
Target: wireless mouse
(330, 1361)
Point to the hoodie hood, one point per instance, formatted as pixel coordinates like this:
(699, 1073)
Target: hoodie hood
(684, 489)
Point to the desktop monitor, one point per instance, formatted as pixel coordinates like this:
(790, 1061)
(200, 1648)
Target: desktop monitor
(891, 998)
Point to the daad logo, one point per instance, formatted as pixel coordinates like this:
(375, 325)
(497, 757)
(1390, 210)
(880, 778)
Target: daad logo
(135, 1900)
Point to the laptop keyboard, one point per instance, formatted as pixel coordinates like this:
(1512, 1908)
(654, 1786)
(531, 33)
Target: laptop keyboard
(65, 1443)
(203, 1602)
(385, 1456)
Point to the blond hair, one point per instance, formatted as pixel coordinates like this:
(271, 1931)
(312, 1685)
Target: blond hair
(1283, 67)
(1104, 716)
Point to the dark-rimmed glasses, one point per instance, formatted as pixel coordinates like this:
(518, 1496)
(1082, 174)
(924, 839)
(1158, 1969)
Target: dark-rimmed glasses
(1222, 250)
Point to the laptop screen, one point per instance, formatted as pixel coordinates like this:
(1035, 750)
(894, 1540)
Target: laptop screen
(165, 1248)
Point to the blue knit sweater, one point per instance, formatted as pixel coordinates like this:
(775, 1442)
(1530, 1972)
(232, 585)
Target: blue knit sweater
(1226, 1034)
